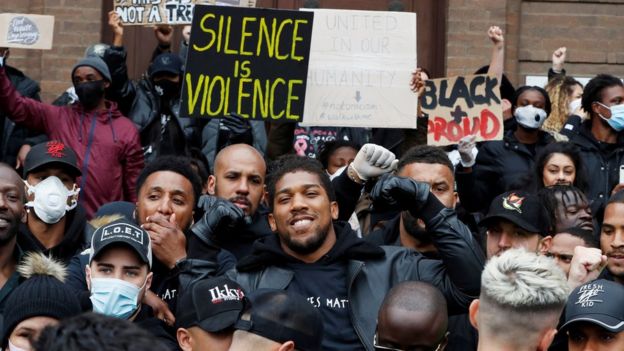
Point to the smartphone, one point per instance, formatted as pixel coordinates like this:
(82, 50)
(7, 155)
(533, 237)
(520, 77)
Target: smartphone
(621, 174)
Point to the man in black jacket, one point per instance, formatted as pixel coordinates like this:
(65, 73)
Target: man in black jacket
(15, 140)
(237, 187)
(52, 227)
(600, 139)
(345, 277)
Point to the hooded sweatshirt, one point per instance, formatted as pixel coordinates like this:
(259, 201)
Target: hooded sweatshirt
(323, 283)
(106, 143)
(73, 241)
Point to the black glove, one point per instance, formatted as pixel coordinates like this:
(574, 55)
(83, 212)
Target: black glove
(219, 214)
(236, 124)
(399, 193)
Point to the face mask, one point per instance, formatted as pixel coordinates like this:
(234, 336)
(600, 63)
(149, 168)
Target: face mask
(114, 297)
(15, 348)
(574, 104)
(50, 203)
(167, 89)
(530, 117)
(617, 117)
(90, 93)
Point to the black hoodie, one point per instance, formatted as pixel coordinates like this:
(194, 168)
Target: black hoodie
(73, 241)
(323, 282)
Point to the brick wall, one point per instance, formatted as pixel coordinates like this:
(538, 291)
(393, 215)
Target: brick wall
(591, 30)
(77, 25)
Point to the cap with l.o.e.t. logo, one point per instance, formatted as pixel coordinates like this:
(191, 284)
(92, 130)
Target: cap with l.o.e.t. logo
(122, 231)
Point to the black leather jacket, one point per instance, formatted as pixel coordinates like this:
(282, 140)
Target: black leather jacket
(139, 102)
(370, 276)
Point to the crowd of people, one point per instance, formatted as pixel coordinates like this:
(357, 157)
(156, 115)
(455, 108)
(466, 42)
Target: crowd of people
(129, 227)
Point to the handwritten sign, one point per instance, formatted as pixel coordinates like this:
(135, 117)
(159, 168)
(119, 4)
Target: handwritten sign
(360, 69)
(148, 12)
(252, 62)
(461, 106)
(26, 31)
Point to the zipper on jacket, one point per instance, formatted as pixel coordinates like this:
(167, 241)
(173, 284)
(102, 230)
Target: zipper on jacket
(351, 314)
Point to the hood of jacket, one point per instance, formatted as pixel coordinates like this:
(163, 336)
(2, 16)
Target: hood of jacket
(268, 251)
(73, 241)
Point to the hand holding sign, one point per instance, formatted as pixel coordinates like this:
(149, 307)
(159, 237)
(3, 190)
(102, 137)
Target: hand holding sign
(417, 84)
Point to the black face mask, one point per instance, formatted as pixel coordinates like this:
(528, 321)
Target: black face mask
(167, 89)
(90, 93)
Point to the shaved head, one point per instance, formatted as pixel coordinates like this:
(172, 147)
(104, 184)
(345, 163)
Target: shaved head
(412, 314)
(239, 173)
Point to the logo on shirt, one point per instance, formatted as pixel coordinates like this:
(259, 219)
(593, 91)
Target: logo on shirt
(513, 202)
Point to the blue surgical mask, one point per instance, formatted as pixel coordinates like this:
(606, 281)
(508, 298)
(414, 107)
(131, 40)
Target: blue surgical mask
(617, 116)
(114, 297)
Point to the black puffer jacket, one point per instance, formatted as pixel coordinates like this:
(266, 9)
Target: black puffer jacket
(139, 101)
(14, 136)
(602, 161)
(500, 166)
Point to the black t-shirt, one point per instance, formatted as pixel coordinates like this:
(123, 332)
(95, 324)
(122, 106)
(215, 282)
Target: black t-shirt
(325, 287)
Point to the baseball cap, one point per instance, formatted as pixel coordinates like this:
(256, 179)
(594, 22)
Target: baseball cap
(600, 302)
(212, 304)
(522, 209)
(122, 231)
(167, 62)
(51, 152)
(281, 316)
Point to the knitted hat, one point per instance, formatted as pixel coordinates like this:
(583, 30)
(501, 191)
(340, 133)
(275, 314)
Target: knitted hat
(97, 64)
(41, 294)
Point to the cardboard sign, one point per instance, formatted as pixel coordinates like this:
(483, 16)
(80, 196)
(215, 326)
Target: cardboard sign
(252, 62)
(361, 63)
(153, 12)
(461, 106)
(26, 31)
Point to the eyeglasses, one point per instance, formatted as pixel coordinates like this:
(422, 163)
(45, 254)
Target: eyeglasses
(438, 347)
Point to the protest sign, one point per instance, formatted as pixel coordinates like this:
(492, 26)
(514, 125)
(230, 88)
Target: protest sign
(252, 62)
(26, 31)
(361, 63)
(461, 106)
(154, 12)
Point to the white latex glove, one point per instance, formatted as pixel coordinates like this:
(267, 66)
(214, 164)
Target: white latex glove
(586, 265)
(468, 150)
(372, 161)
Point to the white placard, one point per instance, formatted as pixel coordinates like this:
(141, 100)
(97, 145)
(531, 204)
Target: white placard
(361, 64)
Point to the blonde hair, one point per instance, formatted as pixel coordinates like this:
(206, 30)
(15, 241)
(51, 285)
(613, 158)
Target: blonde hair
(522, 294)
(559, 90)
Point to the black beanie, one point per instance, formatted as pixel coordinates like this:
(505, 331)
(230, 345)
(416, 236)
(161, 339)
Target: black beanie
(43, 293)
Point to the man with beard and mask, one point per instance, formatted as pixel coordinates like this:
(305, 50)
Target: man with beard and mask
(600, 139)
(153, 102)
(106, 143)
(119, 275)
(55, 223)
(234, 214)
(504, 164)
(346, 277)
(12, 212)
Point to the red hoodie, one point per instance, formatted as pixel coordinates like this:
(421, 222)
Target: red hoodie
(107, 143)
